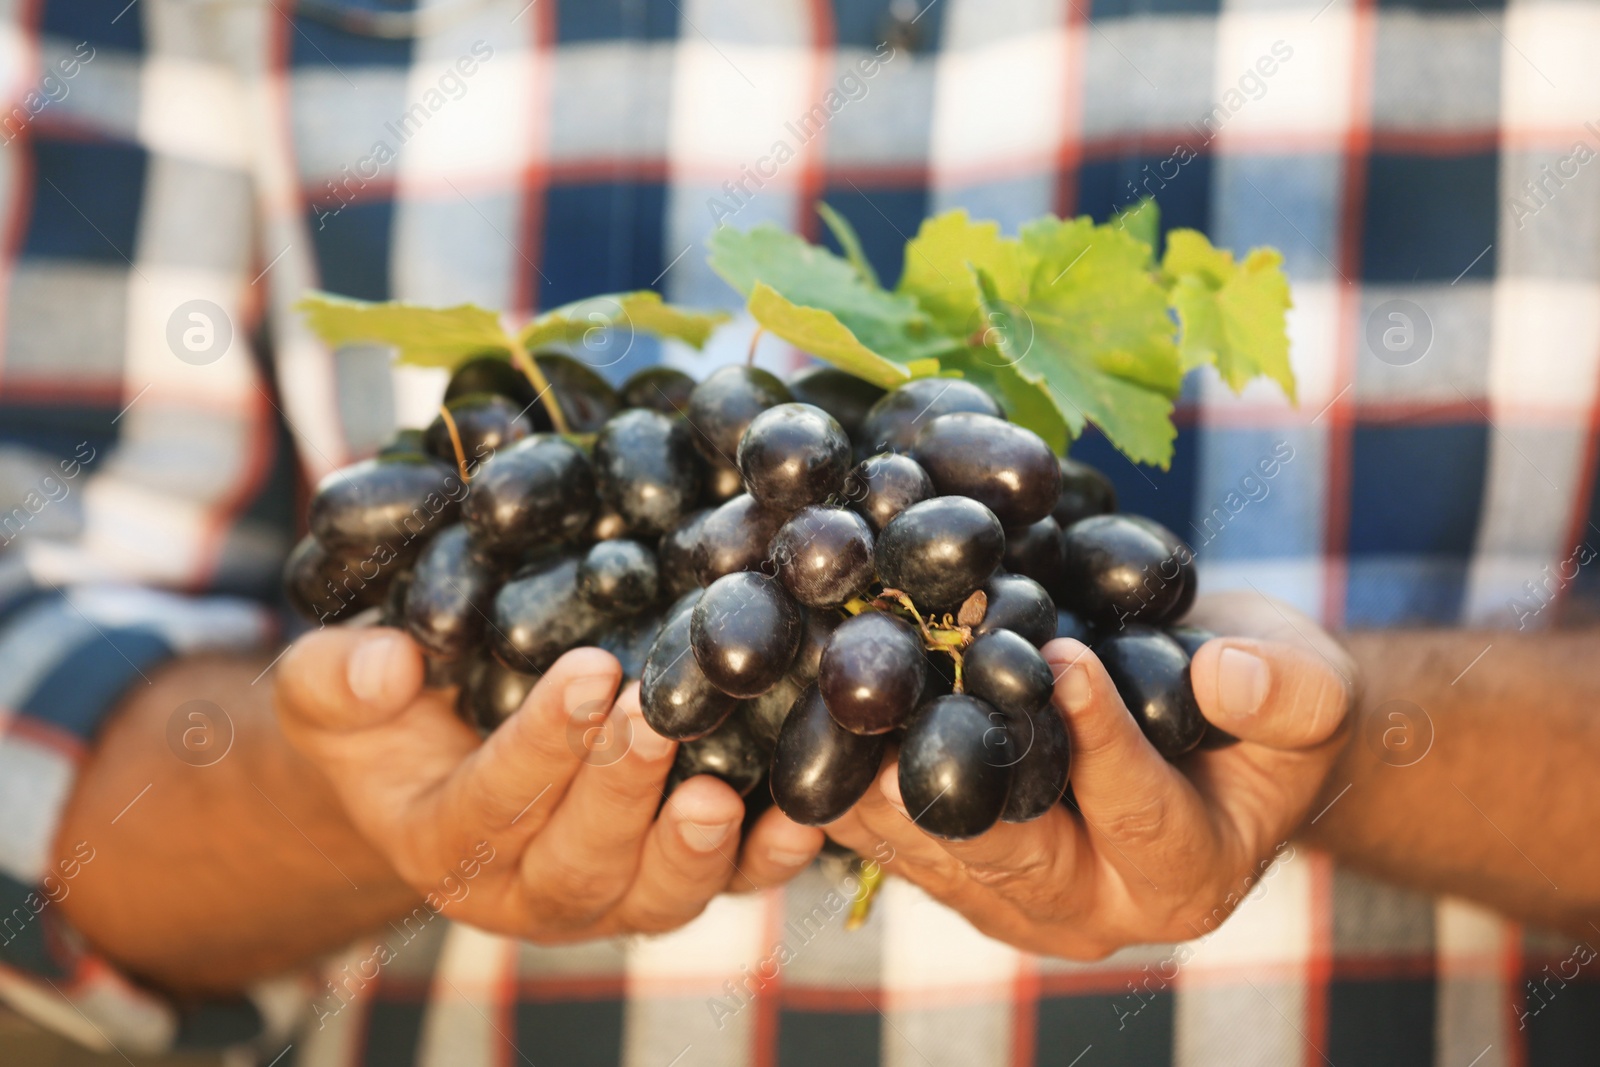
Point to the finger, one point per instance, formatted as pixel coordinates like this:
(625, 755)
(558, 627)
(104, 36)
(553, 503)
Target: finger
(776, 849)
(584, 859)
(1273, 694)
(1128, 794)
(342, 680)
(688, 857)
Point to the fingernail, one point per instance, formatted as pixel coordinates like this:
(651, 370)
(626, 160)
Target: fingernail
(371, 665)
(784, 857)
(646, 742)
(705, 837)
(582, 694)
(1077, 691)
(1242, 682)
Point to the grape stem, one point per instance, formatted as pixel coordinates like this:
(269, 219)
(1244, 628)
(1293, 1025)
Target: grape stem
(455, 442)
(755, 339)
(547, 397)
(869, 874)
(938, 636)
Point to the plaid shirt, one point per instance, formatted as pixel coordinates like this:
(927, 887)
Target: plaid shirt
(1426, 166)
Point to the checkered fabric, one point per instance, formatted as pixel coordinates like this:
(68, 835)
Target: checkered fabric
(1426, 166)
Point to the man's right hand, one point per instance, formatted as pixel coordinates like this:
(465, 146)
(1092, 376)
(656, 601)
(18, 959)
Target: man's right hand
(578, 848)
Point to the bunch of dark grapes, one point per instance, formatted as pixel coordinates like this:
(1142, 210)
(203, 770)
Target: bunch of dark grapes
(801, 574)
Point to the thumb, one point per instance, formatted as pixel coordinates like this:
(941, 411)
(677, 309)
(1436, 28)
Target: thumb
(1278, 695)
(341, 679)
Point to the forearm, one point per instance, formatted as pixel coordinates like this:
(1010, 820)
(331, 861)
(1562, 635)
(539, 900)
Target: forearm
(1503, 805)
(215, 875)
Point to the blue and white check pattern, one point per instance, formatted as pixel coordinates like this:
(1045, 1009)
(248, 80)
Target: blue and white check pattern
(1425, 167)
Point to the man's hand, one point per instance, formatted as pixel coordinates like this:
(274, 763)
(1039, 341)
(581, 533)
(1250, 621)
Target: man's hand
(1153, 849)
(561, 843)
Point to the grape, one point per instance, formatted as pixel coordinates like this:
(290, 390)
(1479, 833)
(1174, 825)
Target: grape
(538, 615)
(1019, 604)
(1004, 671)
(939, 551)
(823, 555)
(1116, 571)
(723, 482)
(677, 699)
(440, 672)
(410, 442)
(841, 394)
(394, 600)
(1190, 638)
(872, 673)
(629, 640)
(734, 537)
(618, 577)
(1177, 550)
(1002, 466)
(1069, 625)
(485, 423)
(382, 509)
(955, 767)
(1151, 673)
(730, 752)
(1039, 776)
(766, 713)
(675, 554)
(1084, 492)
(820, 769)
(492, 374)
(539, 490)
(660, 389)
(586, 399)
(606, 524)
(745, 633)
(893, 422)
(793, 455)
(819, 628)
(722, 406)
(1036, 552)
(493, 693)
(645, 467)
(324, 588)
(450, 595)
(884, 485)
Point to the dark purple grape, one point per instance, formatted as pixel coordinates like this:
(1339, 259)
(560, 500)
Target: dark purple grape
(646, 468)
(820, 769)
(1008, 469)
(1116, 571)
(734, 537)
(893, 423)
(1084, 492)
(882, 486)
(839, 393)
(766, 713)
(538, 615)
(618, 577)
(658, 388)
(1069, 625)
(823, 556)
(486, 423)
(745, 633)
(324, 588)
(1004, 671)
(539, 490)
(1036, 552)
(723, 482)
(730, 752)
(722, 407)
(1190, 638)
(872, 673)
(939, 551)
(586, 398)
(385, 509)
(955, 767)
(451, 594)
(493, 693)
(1178, 550)
(630, 640)
(605, 524)
(408, 442)
(793, 455)
(1151, 673)
(1039, 776)
(819, 628)
(492, 374)
(1019, 604)
(676, 698)
(393, 612)
(675, 554)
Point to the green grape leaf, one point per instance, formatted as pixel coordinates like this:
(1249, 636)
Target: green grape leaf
(824, 336)
(424, 336)
(643, 311)
(1142, 220)
(1026, 397)
(890, 325)
(1232, 315)
(845, 234)
(936, 273)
